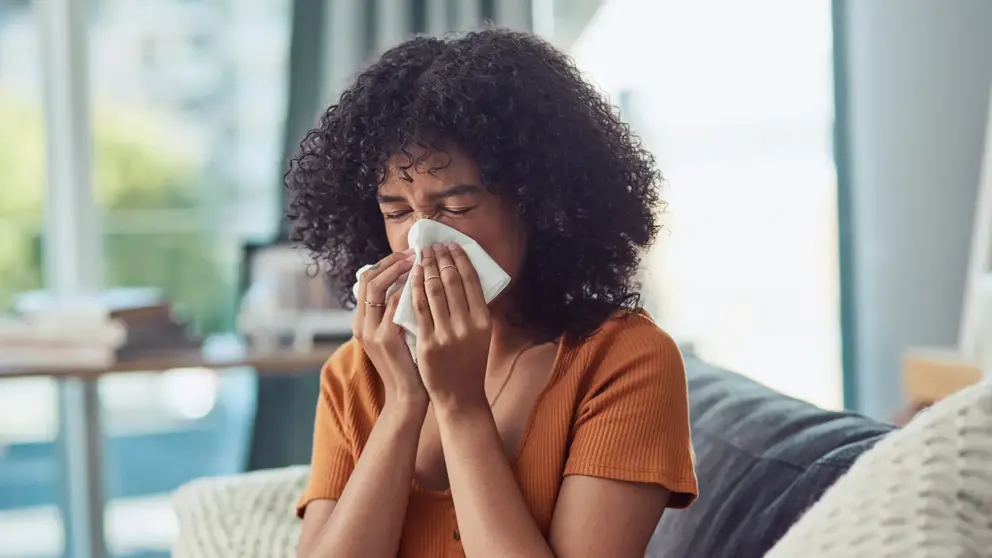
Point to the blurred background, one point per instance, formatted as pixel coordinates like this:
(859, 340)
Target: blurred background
(821, 158)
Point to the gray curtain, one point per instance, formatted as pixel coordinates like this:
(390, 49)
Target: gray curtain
(305, 79)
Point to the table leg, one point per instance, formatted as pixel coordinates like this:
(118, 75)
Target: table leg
(81, 441)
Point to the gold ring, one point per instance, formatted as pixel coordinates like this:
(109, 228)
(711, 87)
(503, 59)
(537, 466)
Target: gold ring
(446, 267)
(375, 304)
(426, 279)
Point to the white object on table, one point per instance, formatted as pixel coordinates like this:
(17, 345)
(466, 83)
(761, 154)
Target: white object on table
(980, 262)
(984, 320)
(314, 323)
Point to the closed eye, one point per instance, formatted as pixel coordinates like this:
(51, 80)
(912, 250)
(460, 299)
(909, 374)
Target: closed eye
(396, 214)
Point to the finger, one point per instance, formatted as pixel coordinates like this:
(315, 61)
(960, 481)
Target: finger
(375, 291)
(397, 287)
(453, 289)
(421, 306)
(358, 321)
(367, 317)
(434, 288)
(392, 302)
(378, 268)
(474, 296)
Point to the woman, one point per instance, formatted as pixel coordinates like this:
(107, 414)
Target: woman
(552, 422)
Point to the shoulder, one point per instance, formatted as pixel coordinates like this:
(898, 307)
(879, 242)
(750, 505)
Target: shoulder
(348, 375)
(630, 339)
(636, 326)
(345, 363)
(629, 355)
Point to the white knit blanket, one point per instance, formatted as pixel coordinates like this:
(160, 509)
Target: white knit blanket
(924, 491)
(243, 516)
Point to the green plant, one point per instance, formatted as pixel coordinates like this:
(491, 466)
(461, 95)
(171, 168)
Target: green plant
(145, 177)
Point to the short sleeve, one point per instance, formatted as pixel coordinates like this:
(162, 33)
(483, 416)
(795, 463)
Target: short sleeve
(633, 421)
(333, 457)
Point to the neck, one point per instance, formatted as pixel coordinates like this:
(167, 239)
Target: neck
(507, 340)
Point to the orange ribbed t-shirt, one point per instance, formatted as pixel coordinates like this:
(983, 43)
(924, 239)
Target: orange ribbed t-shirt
(615, 406)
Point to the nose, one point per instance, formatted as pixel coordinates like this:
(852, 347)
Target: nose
(401, 236)
(430, 216)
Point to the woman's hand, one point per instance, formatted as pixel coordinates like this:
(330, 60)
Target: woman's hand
(382, 339)
(454, 327)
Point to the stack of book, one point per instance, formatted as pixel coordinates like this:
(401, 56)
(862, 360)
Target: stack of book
(151, 325)
(75, 334)
(92, 331)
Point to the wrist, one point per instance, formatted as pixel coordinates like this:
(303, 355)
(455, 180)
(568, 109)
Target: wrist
(403, 420)
(406, 402)
(404, 392)
(463, 405)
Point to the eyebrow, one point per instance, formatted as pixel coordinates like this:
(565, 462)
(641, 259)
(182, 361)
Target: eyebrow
(458, 190)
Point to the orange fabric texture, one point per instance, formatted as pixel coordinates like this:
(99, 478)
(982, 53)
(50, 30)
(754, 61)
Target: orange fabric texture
(615, 407)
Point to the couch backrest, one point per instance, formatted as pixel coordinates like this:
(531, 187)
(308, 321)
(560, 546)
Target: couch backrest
(762, 459)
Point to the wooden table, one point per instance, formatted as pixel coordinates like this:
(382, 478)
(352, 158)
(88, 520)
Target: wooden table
(232, 354)
(81, 435)
(930, 375)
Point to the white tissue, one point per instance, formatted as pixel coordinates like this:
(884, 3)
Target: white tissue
(425, 233)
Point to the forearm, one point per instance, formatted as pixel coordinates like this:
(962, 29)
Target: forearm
(368, 518)
(493, 518)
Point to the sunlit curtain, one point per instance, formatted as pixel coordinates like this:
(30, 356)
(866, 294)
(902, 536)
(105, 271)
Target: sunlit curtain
(735, 100)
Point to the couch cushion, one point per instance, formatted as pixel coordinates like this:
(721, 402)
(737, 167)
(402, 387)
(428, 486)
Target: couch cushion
(762, 459)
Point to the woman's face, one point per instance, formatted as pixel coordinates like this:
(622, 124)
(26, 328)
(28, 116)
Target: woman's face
(452, 194)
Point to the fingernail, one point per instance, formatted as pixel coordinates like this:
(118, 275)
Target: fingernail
(411, 257)
(452, 246)
(427, 252)
(407, 251)
(438, 247)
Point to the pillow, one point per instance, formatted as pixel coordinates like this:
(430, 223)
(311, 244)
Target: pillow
(762, 460)
(244, 516)
(923, 491)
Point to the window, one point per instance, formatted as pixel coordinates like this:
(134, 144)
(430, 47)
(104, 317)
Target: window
(735, 100)
(29, 468)
(188, 111)
(187, 154)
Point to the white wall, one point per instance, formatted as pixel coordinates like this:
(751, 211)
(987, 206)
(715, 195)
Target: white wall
(918, 82)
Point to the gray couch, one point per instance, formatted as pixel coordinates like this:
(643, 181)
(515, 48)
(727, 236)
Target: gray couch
(762, 459)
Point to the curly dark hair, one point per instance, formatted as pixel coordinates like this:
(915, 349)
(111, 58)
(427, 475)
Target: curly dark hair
(544, 140)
